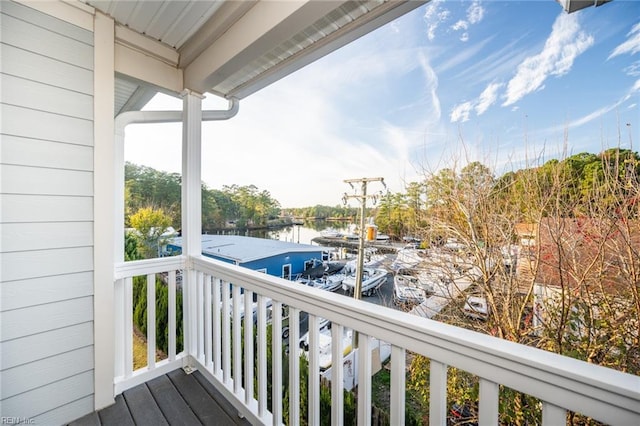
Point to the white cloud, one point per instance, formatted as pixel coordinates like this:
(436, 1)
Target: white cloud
(565, 43)
(434, 15)
(433, 111)
(487, 98)
(602, 111)
(633, 70)
(475, 12)
(460, 25)
(631, 45)
(460, 112)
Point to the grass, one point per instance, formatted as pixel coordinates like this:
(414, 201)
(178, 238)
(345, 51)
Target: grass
(380, 395)
(140, 351)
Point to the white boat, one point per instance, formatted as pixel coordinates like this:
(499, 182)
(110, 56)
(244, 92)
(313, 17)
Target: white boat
(476, 307)
(383, 238)
(330, 233)
(407, 288)
(329, 282)
(324, 344)
(372, 259)
(372, 279)
(407, 258)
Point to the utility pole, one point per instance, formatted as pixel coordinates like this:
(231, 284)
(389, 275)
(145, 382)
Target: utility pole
(362, 197)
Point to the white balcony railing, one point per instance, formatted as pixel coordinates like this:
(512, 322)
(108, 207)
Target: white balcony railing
(213, 332)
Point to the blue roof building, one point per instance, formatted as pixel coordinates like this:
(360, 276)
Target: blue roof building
(279, 258)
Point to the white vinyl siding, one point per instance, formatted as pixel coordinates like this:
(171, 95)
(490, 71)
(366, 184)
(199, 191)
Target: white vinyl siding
(46, 217)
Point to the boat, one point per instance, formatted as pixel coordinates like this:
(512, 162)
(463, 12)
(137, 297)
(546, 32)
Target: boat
(324, 344)
(372, 259)
(372, 279)
(329, 282)
(383, 238)
(320, 268)
(407, 258)
(330, 233)
(476, 307)
(407, 288)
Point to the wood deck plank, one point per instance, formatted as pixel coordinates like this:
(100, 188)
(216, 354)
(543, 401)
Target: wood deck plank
(203, 405)
(90, 419)
(143, 407)
(116, 414)
(174, 408)
(231, 411)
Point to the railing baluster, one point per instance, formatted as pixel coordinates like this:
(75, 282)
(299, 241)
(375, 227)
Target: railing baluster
(200, 316)
(314, 372)
(262, 356)
(208, 338)
(151, 321)
(237, 345)
(294, 366)
(128, 330)
(189, 312)
(217, 328)
(248, 349)
(337, 379)
(120, 328)
(489, 396)
(437, 393)
(397, 391)
(553, 415)
(226, 334)
(364, 380)
(276, 362)
(172, 315)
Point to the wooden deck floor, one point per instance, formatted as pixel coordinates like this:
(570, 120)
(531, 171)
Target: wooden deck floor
(173, 399)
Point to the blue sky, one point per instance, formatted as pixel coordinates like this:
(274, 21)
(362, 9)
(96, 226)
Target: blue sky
(506, 83)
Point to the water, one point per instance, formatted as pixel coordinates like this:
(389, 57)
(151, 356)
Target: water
(302, 234)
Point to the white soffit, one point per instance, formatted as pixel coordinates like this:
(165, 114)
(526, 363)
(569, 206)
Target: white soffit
(234, 48)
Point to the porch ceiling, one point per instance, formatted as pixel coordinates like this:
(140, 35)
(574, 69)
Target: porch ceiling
(226, 47)
(234, 48)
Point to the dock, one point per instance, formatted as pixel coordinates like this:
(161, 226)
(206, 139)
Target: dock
(382, 247)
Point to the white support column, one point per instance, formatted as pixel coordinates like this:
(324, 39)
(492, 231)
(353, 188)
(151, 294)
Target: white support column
(191, 206)
(191, 174)
(104, 207)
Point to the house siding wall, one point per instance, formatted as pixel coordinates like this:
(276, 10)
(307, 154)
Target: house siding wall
(46, 217)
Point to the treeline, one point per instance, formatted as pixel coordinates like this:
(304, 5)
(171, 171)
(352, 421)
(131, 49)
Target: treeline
(323, 212)
(241, 206)
(573, 180)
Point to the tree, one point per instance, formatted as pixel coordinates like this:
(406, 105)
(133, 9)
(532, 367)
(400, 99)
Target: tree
(575, 292)
(151, 224)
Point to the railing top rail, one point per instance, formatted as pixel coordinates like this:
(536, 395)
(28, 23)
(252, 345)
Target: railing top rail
(567, 382)
(148, 266)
